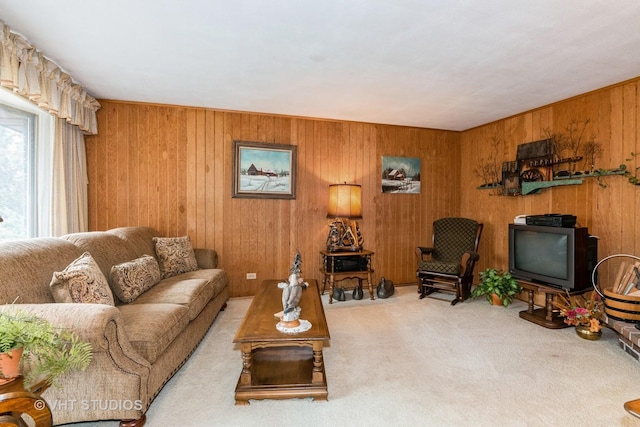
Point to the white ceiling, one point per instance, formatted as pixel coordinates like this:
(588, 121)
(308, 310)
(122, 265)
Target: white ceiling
(441, 64)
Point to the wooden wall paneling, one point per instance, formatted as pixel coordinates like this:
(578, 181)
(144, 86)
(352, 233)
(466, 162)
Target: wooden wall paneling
(175, 144)
(155, 214)
(180, 164)
(111, 166)
(385, 225)
(193, 186)
(162, 172)
(629, 131)
(131, 166)
(309, 211)
(615, 230)
(369, 179)
(141, 145)
(311, 194)
(189, 164)
(217, 191)
(235, 262)
(170, 167)
(635, 191)
(120, 162)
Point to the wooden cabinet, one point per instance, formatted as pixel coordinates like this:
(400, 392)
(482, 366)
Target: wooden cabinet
(337, 266)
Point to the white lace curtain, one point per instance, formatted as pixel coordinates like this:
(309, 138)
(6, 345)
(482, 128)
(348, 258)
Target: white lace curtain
(62, 182)
(27, 72)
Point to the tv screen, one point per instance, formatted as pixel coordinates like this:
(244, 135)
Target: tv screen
(542, 253)
(558, 256)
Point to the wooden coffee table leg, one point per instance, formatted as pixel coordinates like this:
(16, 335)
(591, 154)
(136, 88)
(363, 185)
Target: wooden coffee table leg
(370, 280)
(245, 376)
(318, 363)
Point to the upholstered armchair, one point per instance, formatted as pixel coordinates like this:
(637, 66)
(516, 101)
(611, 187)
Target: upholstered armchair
(447, 266)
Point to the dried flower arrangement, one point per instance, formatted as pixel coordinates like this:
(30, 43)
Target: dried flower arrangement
(578, 310)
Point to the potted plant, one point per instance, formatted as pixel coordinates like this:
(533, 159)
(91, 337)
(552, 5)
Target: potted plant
(500, 284)
(46, 351)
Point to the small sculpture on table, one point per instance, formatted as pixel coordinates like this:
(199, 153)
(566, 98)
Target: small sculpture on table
(290, 321)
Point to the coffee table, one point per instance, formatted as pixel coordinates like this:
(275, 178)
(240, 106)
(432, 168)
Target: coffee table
(278, 365)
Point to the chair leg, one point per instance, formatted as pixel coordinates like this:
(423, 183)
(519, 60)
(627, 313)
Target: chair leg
(425, 290)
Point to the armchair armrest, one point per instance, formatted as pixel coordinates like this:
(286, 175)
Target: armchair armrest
(423, 251)
(206, 258)
(468, 261)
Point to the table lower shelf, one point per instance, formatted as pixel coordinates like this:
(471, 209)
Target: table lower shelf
(539, 316)
(282, 373)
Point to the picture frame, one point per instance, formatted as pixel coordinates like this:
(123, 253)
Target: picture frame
(400, 175)
(264, 170)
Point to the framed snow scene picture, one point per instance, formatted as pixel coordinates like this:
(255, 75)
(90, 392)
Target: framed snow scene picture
(263, 170)
(400, 175)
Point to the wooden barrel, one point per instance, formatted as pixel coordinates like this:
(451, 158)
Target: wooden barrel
(621, 307)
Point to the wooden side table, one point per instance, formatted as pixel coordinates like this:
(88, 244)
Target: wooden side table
(337, 266)
(15, 402)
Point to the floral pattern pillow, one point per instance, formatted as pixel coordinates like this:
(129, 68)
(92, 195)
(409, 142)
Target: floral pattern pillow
(131, 279)
(175, 255)
(81, 281)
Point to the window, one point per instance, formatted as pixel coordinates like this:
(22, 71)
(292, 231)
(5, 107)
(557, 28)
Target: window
(24, 152)
(16, 172)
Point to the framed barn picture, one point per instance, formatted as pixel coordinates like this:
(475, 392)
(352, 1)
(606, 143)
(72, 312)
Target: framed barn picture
(401, 175)
(263, 170)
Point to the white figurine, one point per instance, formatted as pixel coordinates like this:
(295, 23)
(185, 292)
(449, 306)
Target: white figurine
(291, 294)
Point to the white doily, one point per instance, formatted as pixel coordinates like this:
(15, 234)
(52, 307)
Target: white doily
(305, 325)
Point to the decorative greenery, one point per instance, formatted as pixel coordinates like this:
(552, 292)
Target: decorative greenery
(577, 310)
(48, 351)
(623, 170)
(500, 283)
(631, 177)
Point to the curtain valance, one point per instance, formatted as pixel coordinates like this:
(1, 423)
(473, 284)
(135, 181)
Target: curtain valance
(27, 72)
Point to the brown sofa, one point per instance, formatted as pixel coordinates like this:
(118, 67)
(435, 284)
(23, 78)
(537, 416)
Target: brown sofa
(137, 346)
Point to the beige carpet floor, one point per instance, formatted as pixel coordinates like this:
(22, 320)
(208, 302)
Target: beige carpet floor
(402, 361)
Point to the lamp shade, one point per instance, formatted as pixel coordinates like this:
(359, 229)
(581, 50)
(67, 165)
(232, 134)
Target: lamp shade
(345, 201)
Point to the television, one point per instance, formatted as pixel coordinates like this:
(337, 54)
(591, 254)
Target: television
(562, 257)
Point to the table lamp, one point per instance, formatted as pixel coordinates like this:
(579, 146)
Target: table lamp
(345, 206)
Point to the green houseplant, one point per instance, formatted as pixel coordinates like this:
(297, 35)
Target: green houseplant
(48, 352)
(501, 284)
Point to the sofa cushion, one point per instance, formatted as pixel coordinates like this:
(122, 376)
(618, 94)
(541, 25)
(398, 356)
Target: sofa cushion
(132, 278)
(139, 238)
(107, 249)
(175, 255)
(81, 282)
(152, 327)
(193, 290)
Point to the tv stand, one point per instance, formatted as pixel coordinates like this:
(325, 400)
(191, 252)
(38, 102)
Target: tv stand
(547, 316)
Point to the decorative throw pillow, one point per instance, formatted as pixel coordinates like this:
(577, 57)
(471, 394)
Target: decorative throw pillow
(131, 279)
(81, 281)
(175, 255)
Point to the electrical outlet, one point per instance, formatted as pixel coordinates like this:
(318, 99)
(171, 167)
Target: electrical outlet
(251, 276)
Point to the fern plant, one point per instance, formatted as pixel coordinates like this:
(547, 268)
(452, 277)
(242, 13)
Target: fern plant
(48, 352)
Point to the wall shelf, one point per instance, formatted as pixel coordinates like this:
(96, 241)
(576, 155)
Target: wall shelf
(536, 187)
